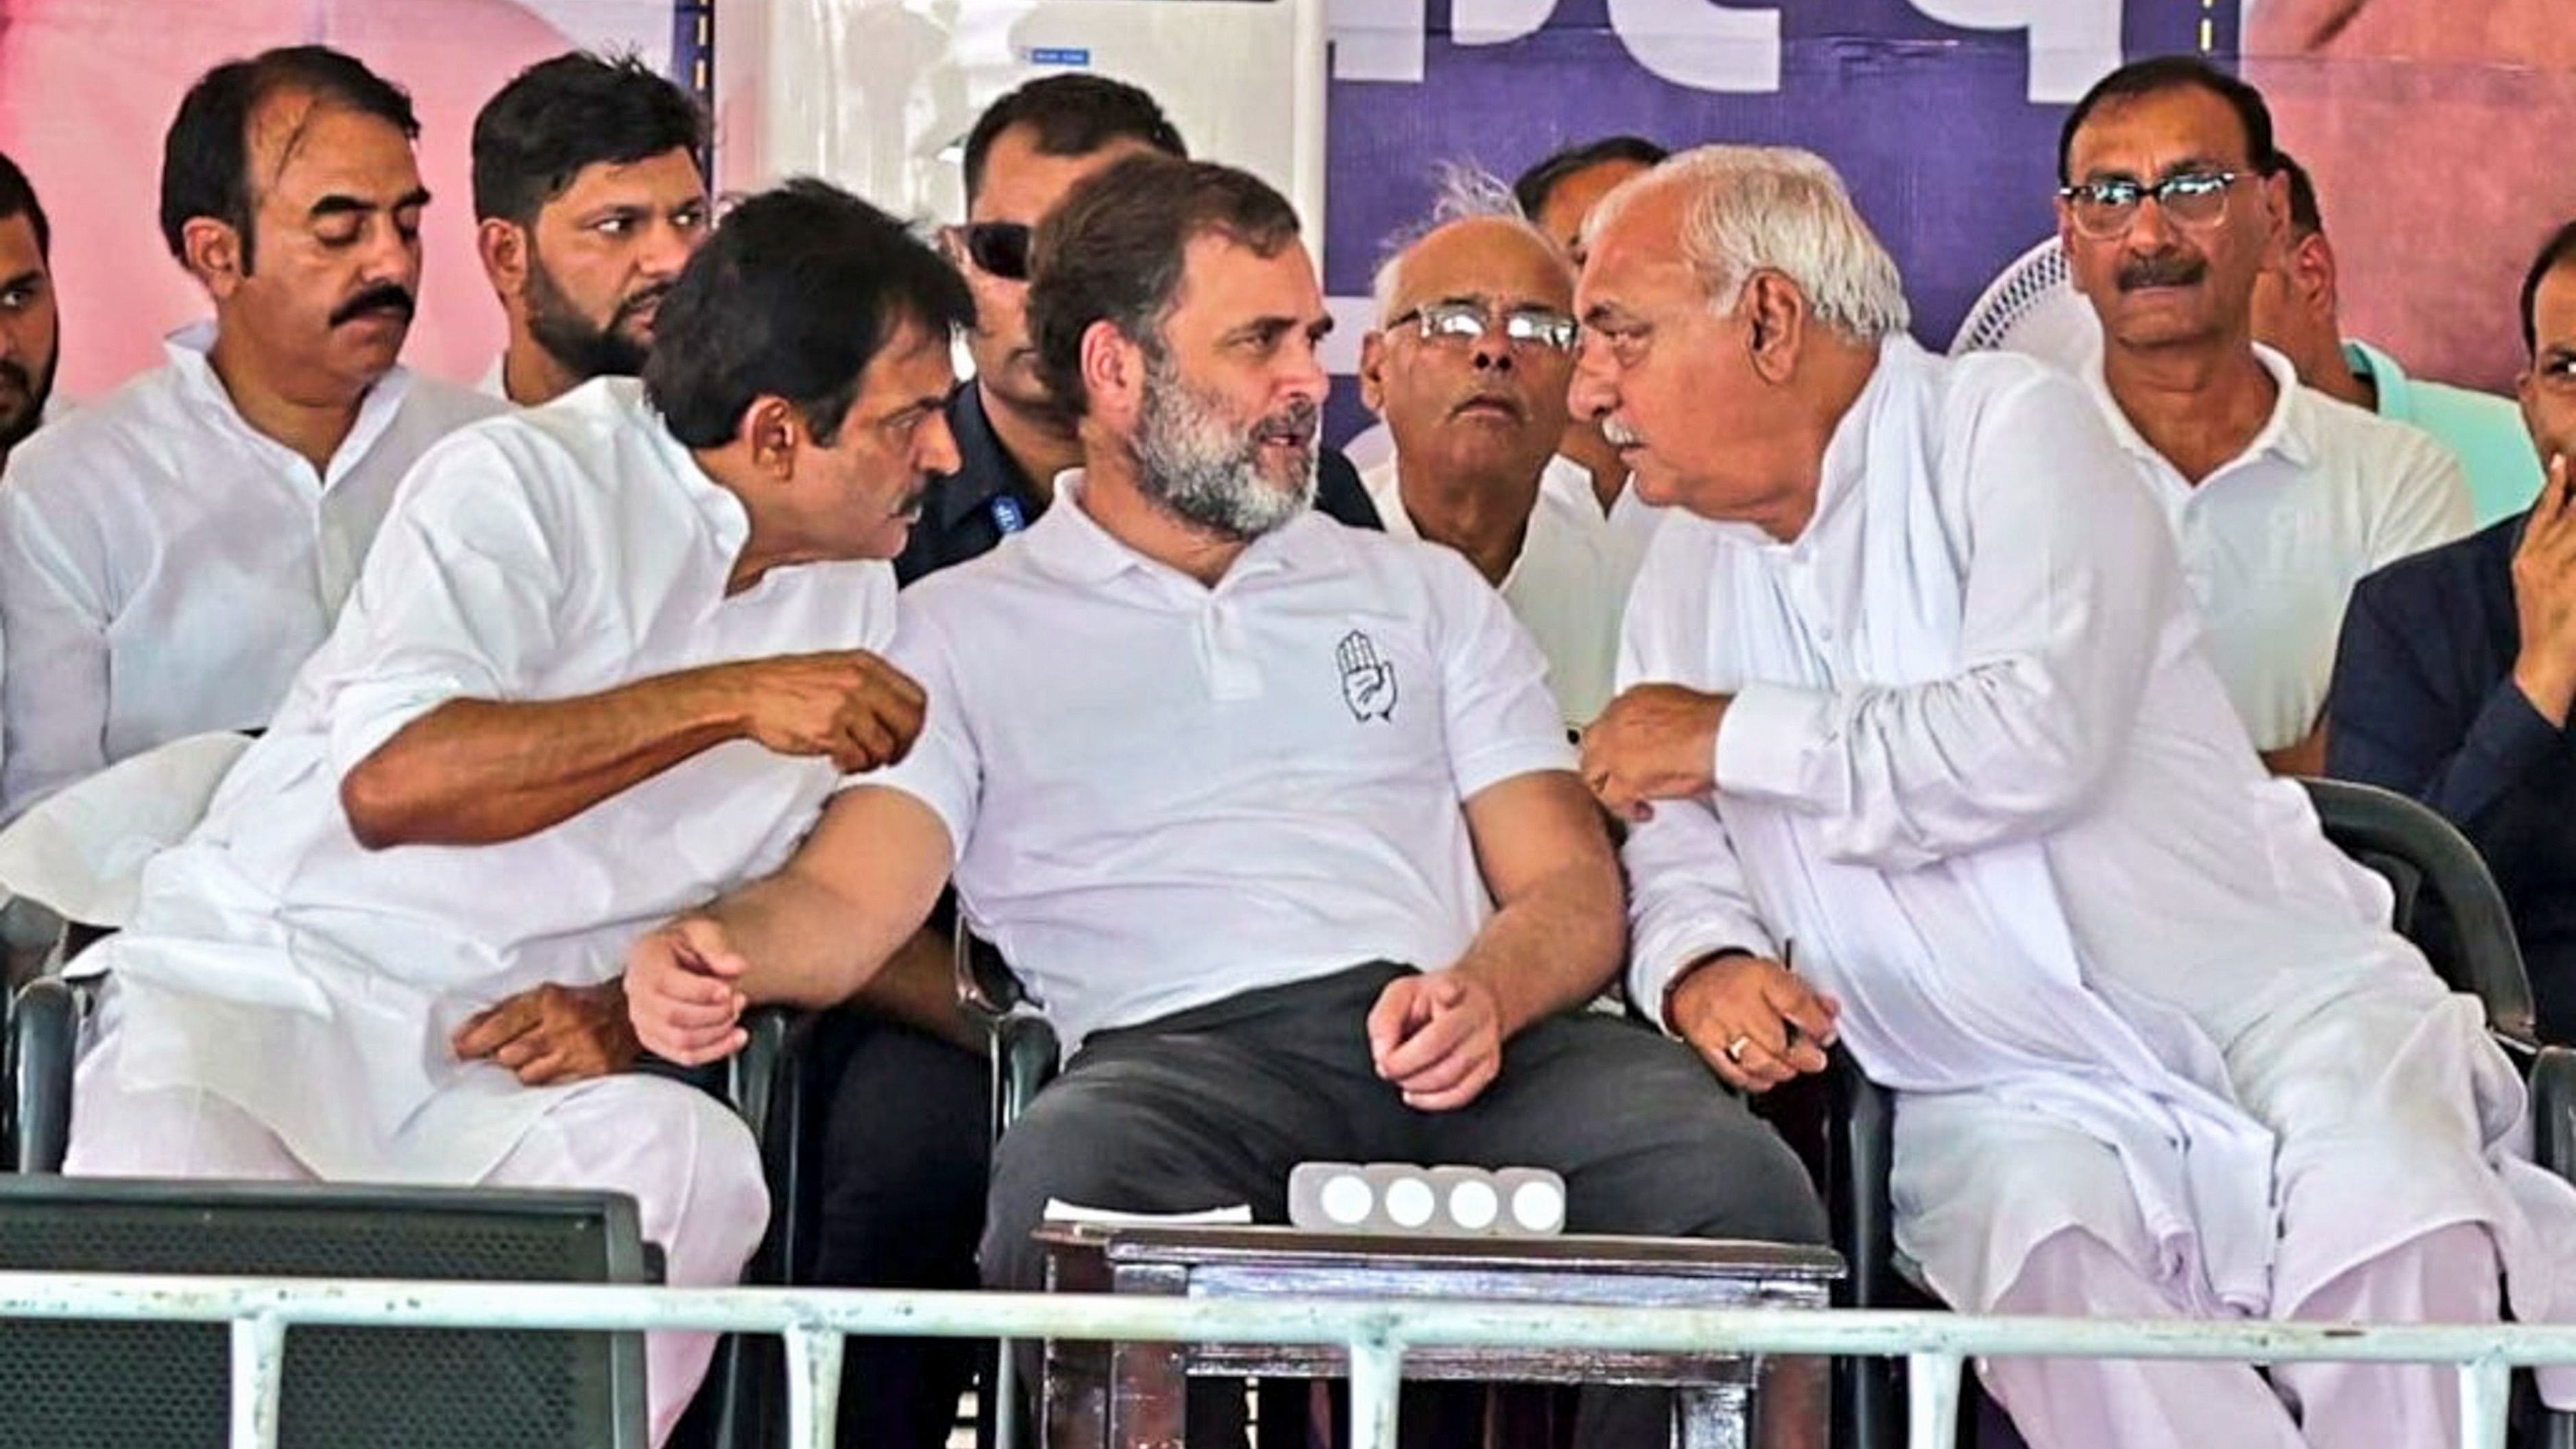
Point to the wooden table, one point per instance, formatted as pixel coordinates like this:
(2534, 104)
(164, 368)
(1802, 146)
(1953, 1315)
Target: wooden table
(1131, 1395)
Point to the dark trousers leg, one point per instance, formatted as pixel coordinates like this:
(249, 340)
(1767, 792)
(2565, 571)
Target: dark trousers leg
(1203, 1109)
(903, 1171)
(1650, 1143)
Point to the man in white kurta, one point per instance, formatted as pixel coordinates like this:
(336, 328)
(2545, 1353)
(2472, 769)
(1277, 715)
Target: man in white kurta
(1469, 365)
(593, 673)
(2155, 1051)
(169, 556)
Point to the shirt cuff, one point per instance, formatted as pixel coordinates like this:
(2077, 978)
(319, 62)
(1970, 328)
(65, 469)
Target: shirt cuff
(1496, 763)
(1655, 966)
(2510, 734)
(1767, 744)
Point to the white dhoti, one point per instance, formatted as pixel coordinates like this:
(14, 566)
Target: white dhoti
(2391, 1207)
(688, 1162)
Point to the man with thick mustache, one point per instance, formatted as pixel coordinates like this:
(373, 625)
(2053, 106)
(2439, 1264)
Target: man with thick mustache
(1275, 817)
(588, 200)
(169, 556)
(2169, 209)
(1469, 366)
(608, 655)
(30, 331)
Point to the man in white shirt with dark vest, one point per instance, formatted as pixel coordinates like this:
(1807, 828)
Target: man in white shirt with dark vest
(169, 555)
(1275, 817)
(587, 202)
(1468, 365)
(607, 659)
(2281, 497)
(1912, 680)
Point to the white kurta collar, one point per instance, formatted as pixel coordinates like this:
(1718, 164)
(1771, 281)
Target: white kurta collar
(190, 352)
(2288, 432)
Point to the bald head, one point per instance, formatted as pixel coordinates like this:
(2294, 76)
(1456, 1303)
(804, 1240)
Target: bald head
(1483, 404)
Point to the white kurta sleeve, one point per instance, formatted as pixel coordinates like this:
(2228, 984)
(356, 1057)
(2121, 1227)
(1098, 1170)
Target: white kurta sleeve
(1686, 891)
(2071, 581)
(1498, 718)
(458, 599)
(945, 768)
(56, 606)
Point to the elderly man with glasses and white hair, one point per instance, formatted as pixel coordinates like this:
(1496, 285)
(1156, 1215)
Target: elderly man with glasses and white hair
(1469, 365)
(1912, 679)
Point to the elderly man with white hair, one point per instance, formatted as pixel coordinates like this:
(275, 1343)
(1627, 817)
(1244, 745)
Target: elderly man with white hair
(1469, 364)
(1912, 679)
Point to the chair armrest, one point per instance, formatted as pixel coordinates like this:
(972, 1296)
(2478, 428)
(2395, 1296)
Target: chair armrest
(44, 1041)
(1026, 1053)
(1860, 1156)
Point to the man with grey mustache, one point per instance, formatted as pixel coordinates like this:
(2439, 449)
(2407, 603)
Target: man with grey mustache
(2169, 207)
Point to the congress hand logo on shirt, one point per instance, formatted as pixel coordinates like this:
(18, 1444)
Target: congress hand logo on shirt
(1368, 681)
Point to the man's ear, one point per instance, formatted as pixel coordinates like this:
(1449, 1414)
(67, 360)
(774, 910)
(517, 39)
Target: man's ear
(2312, 270)
(772, 435)
(1372, 375)
(503, 247)
(211, 251)
(1113, 372)
(1775, 316)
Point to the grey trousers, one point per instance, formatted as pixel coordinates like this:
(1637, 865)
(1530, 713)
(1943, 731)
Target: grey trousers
(1213, 1106)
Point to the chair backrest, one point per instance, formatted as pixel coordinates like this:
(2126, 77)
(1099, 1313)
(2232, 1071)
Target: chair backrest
(156, 1384)
(2447, 903)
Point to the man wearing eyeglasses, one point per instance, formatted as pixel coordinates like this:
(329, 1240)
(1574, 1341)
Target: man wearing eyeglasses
(1026, 151)
(1469, 367)
(2456, 680)
(2281, 497)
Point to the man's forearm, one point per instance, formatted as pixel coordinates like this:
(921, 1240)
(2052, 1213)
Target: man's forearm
(1553, 947)
(478, 772)
(821, 930)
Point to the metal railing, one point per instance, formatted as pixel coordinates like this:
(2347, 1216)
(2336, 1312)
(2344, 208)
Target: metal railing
(1376, 1334)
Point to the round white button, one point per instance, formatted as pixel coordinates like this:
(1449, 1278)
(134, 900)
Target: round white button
(1538, 1206)
(1409, 1202)
(1473, 1205)
(1347, 1198)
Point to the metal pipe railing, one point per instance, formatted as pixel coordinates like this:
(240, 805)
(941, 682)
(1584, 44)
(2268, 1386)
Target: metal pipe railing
(1376, 1334)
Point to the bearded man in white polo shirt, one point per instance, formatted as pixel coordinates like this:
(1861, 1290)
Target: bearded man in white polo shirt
(1275, 817)
(607, 659)
(2282, 497)
(1912, 680)
(170, 555)
(1468, 365)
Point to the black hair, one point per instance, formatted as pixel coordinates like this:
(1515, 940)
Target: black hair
(2175, 72)
(1540, 181)
(18, 198)
(2306, 219)
(793, 296)
(1072, 115)
(205, 159)
(2558, 251)
(1114, 249)
(560, 117)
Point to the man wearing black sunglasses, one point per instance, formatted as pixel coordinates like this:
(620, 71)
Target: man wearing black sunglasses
(1026, 151)
(2170, 205)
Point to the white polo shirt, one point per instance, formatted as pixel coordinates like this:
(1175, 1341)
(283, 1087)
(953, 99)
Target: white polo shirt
(2273, 542)
(165, 566)
(1162, 795)
(1568, 586)
(557, 552)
